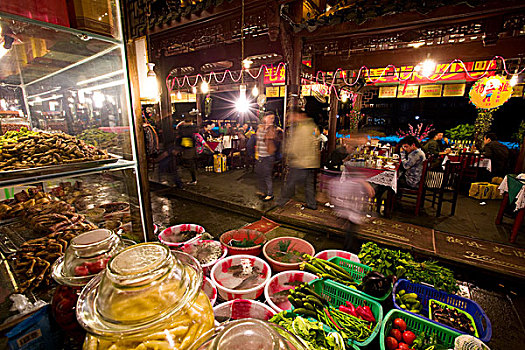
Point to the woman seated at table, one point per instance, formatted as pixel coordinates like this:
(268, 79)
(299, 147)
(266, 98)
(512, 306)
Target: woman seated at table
(435, 148)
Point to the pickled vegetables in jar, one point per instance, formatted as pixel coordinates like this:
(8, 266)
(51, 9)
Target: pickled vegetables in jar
(148, 298)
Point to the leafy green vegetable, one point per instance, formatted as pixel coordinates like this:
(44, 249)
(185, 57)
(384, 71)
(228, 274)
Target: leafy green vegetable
(311, 332)
(394, 262)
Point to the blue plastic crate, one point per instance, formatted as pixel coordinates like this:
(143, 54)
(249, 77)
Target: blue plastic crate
(426, 293)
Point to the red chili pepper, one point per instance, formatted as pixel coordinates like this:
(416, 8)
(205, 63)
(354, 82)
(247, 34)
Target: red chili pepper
(347, 310)
(364, 314)
(370, 313)
(352, 308)
(331, 319)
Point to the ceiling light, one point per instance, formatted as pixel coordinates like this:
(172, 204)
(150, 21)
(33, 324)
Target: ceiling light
(194, 89)
(513, 80)
(205, 87)
(247, 63)
(255, 91)
(427, 68)
(179, 95)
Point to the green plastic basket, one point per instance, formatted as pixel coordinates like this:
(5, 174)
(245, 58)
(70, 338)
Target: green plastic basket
(337, 295)
(417, 325)
(358, 271)
(430, 301)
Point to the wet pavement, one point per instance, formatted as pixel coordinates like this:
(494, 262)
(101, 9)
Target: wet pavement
(502, 299)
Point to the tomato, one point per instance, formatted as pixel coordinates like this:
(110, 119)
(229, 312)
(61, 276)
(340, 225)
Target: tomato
(403, 346)
(400, 324)
(391, 343)
(396, 333)
(409, 337)
(81, 271)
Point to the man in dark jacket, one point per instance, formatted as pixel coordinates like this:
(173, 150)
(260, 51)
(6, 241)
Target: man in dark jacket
(498, 154)
(435, 148)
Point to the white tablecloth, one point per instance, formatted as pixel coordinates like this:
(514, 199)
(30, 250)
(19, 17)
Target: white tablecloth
(385, 178)
(483, 163)
(520, 198)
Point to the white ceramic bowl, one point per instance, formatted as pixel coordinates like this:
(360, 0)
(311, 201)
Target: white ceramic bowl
(164, 236)
(223, 278)
(327, 254)
(242, 308)
(210, 290)
(284, 281)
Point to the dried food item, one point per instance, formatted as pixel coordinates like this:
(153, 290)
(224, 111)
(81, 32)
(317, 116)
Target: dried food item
(31, 149)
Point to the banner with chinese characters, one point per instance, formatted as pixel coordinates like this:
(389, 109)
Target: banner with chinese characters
(387, 91)
(455, 72)
(453, 90)
(490, 92)
(306, 90)
(408, 91)
(272, 91)
(430, 90)
(275, 75)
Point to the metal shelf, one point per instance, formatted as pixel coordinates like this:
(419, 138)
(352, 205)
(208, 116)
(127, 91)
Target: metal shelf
(119, 165)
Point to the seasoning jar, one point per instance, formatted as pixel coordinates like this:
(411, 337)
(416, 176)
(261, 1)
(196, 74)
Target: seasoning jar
(252, 334)
(148, 297)
(86, 255)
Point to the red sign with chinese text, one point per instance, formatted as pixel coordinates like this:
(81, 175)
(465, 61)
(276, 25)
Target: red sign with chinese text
(454, 72)
(275, 75)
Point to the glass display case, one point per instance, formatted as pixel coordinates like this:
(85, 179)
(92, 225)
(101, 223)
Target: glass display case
(68, 157)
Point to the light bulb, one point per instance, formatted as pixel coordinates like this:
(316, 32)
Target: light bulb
(242, 91)
(513, 80)
(205, 87)
(344, 98)
(428, 67)
(255, 91)
(179, 95)
(193, 89)
(247, 63)
(242, 104)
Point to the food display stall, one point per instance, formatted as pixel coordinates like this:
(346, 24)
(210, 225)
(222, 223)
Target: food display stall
(62, 173)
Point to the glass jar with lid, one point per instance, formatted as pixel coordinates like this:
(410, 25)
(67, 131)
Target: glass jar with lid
(86, 255)
(148, 297)
(252, 334)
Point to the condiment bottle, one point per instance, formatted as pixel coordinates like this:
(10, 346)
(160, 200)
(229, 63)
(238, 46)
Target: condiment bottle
(148, 297)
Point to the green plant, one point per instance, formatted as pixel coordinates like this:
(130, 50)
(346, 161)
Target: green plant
(518, 136)
(483, 123)
(284, 245)
(461, 132)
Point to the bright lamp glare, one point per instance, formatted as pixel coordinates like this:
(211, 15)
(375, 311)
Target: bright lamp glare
(193, 89)
(428, 67)
(242, 105)
(513, 80)
(205, 87)
(255, 91)
(179, 95)
(98, 99)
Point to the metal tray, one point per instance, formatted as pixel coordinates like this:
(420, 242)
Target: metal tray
(54, 169)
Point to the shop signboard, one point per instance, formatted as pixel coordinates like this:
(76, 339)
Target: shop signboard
(275, 75)
(453, 90)
(184, 97)
(407, 91)
(282, 91)
(387, 91)
(490, 92)
(517, 91)
(272, 91)
(455, 72)
(430, 90)
(306, 90)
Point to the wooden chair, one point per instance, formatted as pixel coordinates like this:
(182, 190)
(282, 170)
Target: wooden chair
(417, 194)
(469, 166)
(442, 183)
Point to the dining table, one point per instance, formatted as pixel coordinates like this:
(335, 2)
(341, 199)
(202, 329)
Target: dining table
(483, 162)
(513, 189)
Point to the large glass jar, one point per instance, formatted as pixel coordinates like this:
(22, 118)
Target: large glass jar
(147, 298)
(86, 255)
(251, 334)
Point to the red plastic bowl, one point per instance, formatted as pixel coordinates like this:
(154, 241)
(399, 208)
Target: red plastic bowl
(297, 244)
(170, 231)
(258, 237)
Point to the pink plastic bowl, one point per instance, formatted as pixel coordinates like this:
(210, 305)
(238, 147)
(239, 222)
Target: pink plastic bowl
(170, 231)
(284, 281)
(258, 237)
(327, 254)
(210, 290)
(206, 268)
(241, 308)
(297, 244)
(220, 276)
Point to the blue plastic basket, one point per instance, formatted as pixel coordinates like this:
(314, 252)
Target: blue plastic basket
(426, 293)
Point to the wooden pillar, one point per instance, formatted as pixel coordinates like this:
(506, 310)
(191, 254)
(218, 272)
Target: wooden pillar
(140, 154)
(199, 97)
(332, 121)
(166, 122)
